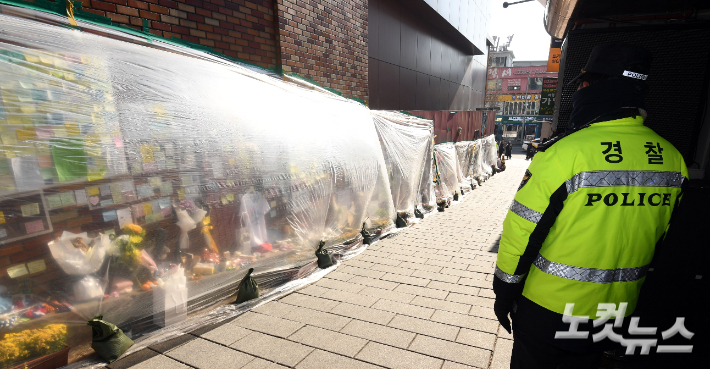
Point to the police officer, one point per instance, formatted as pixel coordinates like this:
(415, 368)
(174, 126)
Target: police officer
(587, 216)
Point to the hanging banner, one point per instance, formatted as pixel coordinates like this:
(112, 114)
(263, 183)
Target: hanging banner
(553, 59)
(547, 99)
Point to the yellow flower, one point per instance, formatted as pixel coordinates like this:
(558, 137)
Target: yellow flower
(133, 228)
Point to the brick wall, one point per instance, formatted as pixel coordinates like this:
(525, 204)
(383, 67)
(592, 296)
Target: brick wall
(238, 28)
(326, 40)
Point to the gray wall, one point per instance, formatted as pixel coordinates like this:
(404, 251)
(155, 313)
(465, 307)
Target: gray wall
(415, 65)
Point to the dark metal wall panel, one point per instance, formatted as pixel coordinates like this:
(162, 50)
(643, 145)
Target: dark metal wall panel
(436, 53)
(373, 25)
(389, 85)
(677, 81)
(373, 82)
(434, 93)
(424, 52)
(407, 88)
(422, 95)
(389, 31)
(408, 42)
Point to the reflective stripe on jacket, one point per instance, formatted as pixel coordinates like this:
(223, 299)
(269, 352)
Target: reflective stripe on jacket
(585, 222)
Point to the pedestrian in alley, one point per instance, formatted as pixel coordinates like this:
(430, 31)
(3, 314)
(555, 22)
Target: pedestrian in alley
(587, 216)
(508, 150)
(529, 153)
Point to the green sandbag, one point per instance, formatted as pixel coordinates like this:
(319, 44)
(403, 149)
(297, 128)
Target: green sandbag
(400, 222)
(108, 340)
(324, 259)
(248, 289)
(366, 236)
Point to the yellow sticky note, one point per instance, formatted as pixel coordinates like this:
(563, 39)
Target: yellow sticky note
(181, 194)
(17, 271)
(60, 132)
(225, 201)
(36, 266)
(155, 182)
(93, 191)
(73, 129)
(148, 208)
(26, 134)
(230, 196)
(232, 162)
(15, 119)
(147, 152)
(8, 138)
(29, 210)
(2, 217)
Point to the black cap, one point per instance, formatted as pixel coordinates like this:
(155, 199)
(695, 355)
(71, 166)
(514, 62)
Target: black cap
(618, 59)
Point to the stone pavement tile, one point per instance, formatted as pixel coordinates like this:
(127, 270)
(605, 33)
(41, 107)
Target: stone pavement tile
(317, 318)
(404, 309)
(400, 250)
(353, 298)
(412, 259)
(379, 260)
(476, 338)
(465, 321)
(502, 333)
(422, 291)
(441, 305)
(339, 285)
(426, 327)
(464, 273)
(278, 309)
(361, 272)
(451, 287)
(405, 279)
(392, 357)
(272, 348)
(393, 269)
(374, 283)
(262, 364)
(448, 264)
(482, 268)
(417, 266)
(363, 313)
(431, 255)
(475, 282)
(312, 290)
(470, 300)
(360, 263)
(204, 354)
(160, 362)
(377, 254)
(435, 276)
(325, 360)
(339, 275)
(452, 365)
(310, 302)
(267, 324)
(483, 312)
(486, 292)
(501, 354)
(379, 333)
(455, 352)
(387, 294)
(324, 339)
(226, 334)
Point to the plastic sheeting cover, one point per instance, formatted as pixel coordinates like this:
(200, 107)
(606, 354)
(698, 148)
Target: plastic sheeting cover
(406, 145)
(448, 167)
(140, 183)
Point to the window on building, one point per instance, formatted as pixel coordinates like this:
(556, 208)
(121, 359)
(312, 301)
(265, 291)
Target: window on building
(513, 88)
(535, 83)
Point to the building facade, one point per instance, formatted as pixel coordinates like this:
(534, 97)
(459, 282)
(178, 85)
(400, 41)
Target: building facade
(418, 55)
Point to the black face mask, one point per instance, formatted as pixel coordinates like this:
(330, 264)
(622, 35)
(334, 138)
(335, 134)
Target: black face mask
(606, 100)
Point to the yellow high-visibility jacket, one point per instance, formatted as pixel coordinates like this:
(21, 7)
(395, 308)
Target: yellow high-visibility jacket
(587, 217)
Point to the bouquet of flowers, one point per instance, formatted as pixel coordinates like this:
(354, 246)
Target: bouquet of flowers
(32, 343)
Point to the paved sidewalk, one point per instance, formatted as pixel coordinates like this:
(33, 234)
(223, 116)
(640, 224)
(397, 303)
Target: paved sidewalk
(421, 299)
